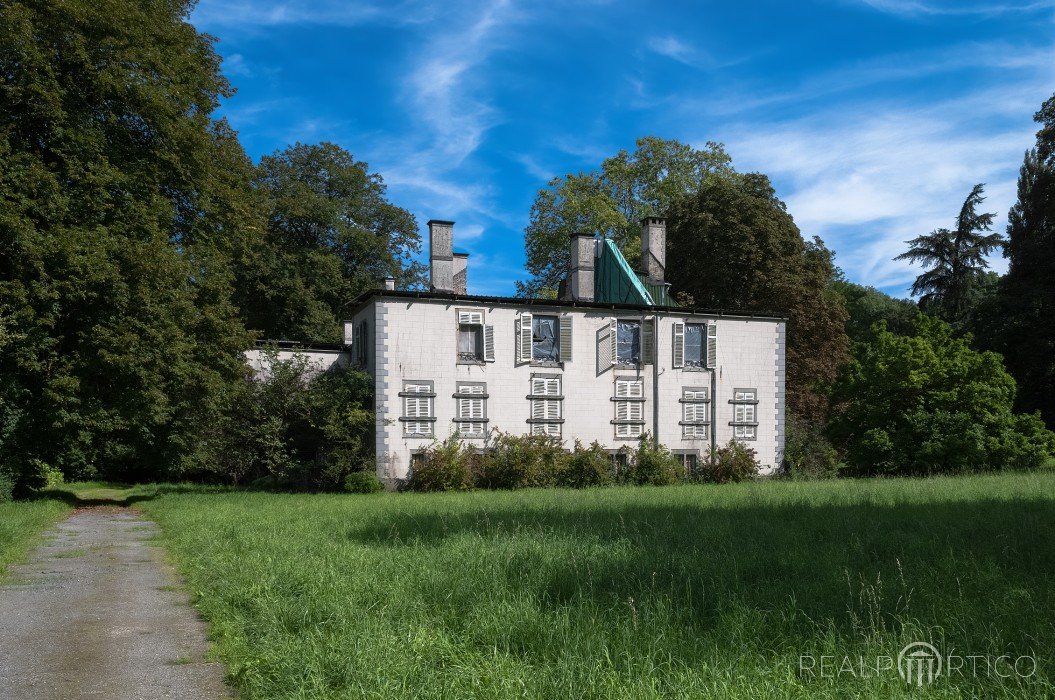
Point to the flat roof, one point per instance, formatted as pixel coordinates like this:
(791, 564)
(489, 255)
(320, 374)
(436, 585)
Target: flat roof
(365, 297)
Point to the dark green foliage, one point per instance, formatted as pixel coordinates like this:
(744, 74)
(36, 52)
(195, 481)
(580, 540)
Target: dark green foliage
(587, 466)
(444, 466)
(330, 235)
(652, 465)
(297, 430)
(7, 486)
(808, 454)
(1022, 327)
(121, 201)
(363, 482)
(927, 403)
(867, 305)
(732, 463)
(955, 260)
(732, 245)
(521, 461)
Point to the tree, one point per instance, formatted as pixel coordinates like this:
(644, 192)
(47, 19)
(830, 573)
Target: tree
(1023, 328)
(732, 245)
(121, 203)
(927, 403)
(867, 305)
(330, 235)
(956, 259)
(612, 201)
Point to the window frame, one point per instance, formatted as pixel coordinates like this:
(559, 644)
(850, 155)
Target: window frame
(463, 398)
(745, 414)
(703, 347)
(640, 342)
(549, 399)
(628, 407)
(557, 339)
(407, 420)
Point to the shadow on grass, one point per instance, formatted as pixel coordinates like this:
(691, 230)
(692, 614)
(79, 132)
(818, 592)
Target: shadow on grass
(116, 495)
(979, 570)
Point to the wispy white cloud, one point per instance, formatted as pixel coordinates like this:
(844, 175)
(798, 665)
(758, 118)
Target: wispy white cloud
(914, 8)
(251, 14)
(675, 49)
(866, 180)
(235, 64)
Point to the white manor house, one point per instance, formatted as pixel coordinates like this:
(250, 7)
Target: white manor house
(613, 359)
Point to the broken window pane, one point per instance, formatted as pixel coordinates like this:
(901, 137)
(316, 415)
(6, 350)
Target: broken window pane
(545, 339)
(628, 342)
(694, 334)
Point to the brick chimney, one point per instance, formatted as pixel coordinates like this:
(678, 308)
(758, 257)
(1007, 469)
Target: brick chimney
(441, 256)
(654, 248)
(390, 283)
(461, 273)
(579, 285)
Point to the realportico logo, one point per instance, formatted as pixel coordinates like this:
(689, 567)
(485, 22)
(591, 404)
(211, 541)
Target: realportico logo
(919, 664)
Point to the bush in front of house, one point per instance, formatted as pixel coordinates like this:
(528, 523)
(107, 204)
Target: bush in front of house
(653, 465)
(586, 467)
(444, 466)
(807, 452)
(732, 463)
(521, 461)
(363, 482)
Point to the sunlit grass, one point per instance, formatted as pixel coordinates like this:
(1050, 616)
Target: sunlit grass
(691, 591)
(21, 525)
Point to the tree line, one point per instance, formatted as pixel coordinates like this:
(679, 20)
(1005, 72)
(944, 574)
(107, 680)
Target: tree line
(142, 251)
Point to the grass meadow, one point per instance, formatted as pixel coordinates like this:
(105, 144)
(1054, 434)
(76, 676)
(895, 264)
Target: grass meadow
(688, 591)
(21, 524)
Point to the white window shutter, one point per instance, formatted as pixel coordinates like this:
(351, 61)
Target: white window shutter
(471, 317)
(712, 345)
(489, 343)
(565, 338)
(349, 331)
(606, 347)
(648, 341)
(635, 410)
(524, 354)
(679, 344)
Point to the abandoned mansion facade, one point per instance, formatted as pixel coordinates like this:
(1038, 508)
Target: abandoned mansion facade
(613, 358)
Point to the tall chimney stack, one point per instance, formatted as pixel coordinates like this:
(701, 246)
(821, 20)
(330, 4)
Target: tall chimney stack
(654, 248)
(461, 273)
(579, 285)
(441, 256)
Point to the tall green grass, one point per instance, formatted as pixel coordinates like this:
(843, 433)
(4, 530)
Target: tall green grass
(691, 591)
(21, 523)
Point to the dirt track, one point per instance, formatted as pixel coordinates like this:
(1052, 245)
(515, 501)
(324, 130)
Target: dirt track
(97, 613)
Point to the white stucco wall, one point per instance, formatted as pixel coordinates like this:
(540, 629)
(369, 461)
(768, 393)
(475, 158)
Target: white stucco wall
(317, 360)
(416, 339)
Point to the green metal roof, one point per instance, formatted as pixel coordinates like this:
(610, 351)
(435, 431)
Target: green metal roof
(616, 283)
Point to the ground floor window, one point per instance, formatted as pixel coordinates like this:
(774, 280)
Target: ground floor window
(745, 414)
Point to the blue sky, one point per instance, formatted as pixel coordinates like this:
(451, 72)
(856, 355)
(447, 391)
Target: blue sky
(873, 117)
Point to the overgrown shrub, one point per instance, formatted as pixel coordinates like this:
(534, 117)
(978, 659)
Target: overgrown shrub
(296, 427)
(363, 482)
(653, 465)
(732, 463)
(587, 466)
(807, 452)
(443, 466)
(521, 461)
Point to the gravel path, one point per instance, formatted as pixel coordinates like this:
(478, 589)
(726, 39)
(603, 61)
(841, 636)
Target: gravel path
(97, 613)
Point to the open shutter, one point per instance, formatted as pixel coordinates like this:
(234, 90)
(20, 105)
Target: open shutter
(712, 345)
(606, 347)
(489, 343)
(679, 344)
(565, 338)
(648, 341)
(524, 344)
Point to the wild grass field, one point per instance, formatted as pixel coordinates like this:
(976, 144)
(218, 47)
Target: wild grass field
(21, 524)
(690, 591)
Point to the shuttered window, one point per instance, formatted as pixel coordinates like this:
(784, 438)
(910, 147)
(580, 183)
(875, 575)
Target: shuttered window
(695, 412)
(745, 414)
(629, 407)
(546, 400)
(418, 403)
(471, 409)
(476, 341)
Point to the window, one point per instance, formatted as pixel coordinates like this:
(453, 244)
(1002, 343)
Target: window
(695, 412)
(361, 347)
(628, 342)
(475, 340)
(546, 405)
(690, 459)
(629, 407)
(418, 402)
(695, 355)
(471, 409)
(545, 339)
(620, 460)
(745, 414)
(695, 345)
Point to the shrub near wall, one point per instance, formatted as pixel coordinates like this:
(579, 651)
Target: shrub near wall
(521, 461)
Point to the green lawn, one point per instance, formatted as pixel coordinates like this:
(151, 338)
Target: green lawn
(21, 524)
(691, 591)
